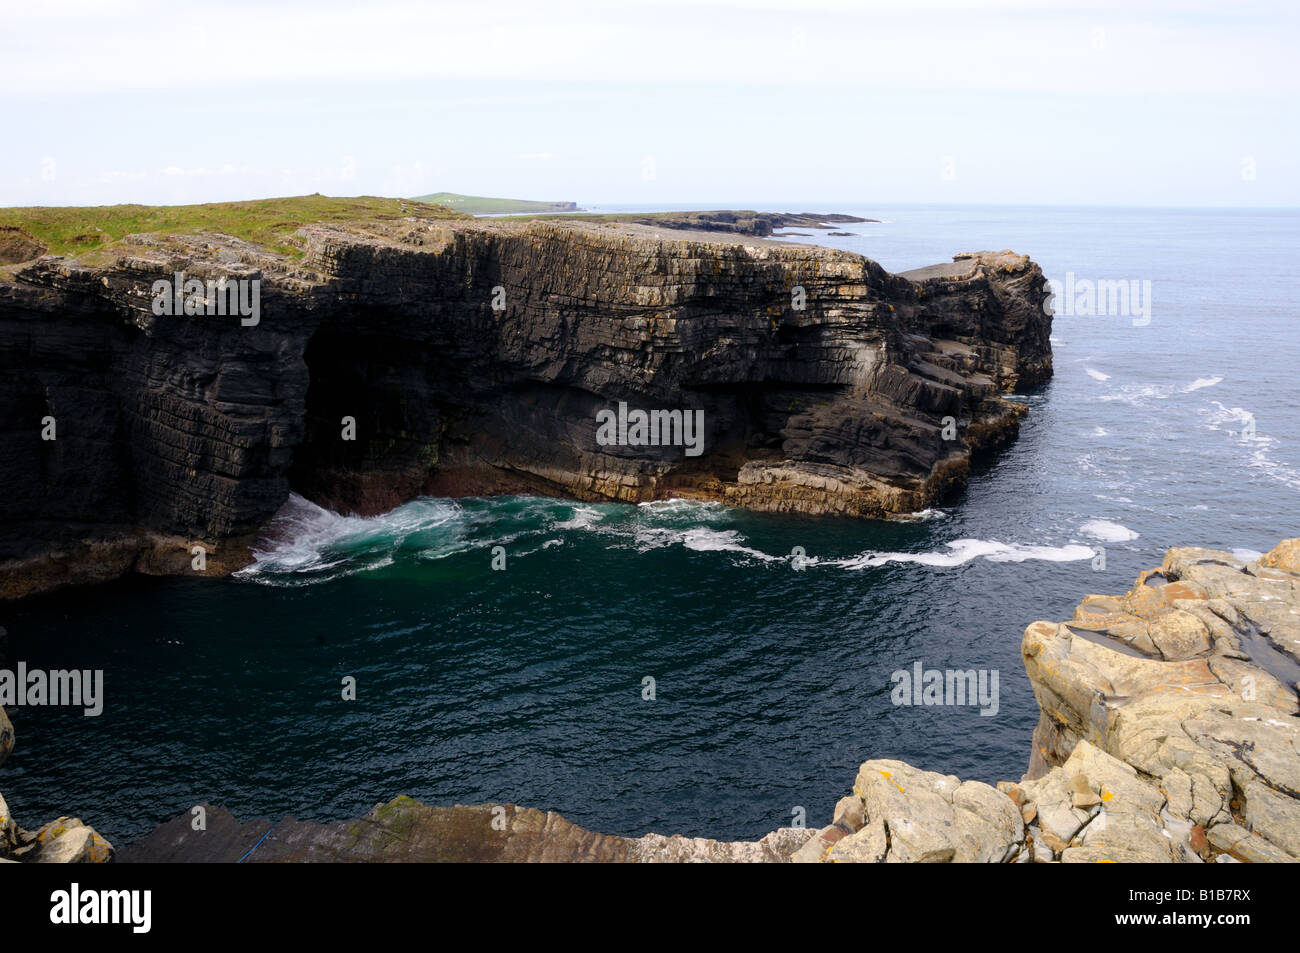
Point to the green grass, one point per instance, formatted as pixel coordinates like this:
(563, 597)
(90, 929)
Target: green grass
(266, 222)
(483, 205)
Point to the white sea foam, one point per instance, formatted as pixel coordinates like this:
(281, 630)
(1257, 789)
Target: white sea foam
(1259, 446)
(1246, 555)
(430, 555)
(677, 506)
(548, 544)
(1137, 395)
(584, 517)
(1107, 532)
(303, 538)
(1096, 374)
(704, 540)
(925, 515)
(701, 539)
(964, 550)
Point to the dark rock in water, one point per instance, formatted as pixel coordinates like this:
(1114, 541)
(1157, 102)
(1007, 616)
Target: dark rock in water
(474, 357)
(405, 830)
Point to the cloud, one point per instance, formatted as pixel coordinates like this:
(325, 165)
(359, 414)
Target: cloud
(1006, 45)
(172, 171)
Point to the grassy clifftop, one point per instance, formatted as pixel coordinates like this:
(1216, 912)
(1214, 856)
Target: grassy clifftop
(265, 222)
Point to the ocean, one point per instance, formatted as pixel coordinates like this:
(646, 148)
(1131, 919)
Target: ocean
(771, 676)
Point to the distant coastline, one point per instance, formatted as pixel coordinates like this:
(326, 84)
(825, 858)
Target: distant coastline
(487, 205)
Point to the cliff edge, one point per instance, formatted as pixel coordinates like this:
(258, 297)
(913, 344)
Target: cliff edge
(410, 355)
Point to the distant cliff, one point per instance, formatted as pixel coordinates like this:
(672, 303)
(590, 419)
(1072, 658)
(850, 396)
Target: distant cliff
(486, 205)
(759, 224)
(476, 357)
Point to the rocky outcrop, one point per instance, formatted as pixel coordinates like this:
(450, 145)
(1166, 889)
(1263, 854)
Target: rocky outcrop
(759, 224)
(17, 246)
(405, 830)
(473, 357)
(63, 841)
(1169, 733)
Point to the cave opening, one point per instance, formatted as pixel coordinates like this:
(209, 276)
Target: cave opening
(372, 423)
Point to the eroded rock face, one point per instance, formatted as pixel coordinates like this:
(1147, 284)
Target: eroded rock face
(1168, 732)
(405, 830)
(474, 357)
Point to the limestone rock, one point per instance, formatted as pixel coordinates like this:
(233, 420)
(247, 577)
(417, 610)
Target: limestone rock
(1168, 732)
(72, 846)
(870, 845)
(8, 830)
(933, 818)
(67, 840)
(848, 814)
(405, 830)
(6, 736)
(1285, 556)
(182, 430)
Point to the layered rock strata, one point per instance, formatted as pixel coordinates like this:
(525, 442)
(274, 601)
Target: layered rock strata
(473, 357)
(760, 224)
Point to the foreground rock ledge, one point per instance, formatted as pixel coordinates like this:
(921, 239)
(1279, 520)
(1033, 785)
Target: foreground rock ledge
(1168, 732)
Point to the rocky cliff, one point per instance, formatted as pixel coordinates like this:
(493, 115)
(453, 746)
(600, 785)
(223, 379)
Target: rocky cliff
(473, 357)
(1169, 732)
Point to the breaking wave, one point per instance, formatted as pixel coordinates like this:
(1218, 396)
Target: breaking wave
(306, 544)
(964, 550)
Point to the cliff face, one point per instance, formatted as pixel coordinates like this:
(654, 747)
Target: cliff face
(1169, 732)
(474, 357)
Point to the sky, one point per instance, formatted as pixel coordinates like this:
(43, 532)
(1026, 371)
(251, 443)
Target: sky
(730, 102)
